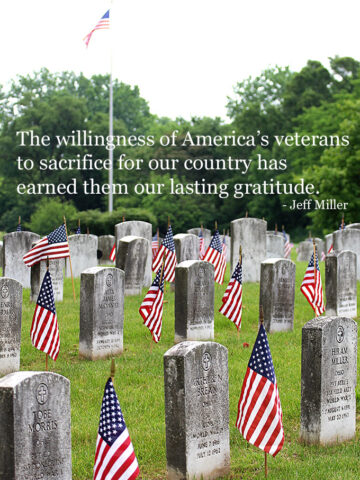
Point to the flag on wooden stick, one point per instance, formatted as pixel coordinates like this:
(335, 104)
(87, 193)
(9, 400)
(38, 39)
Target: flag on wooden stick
(259, 417)
(114, 456)
(311, 286)
(44, 330)
(55, 245)
(168, 248)
(151, 308)
(214, 255)
(232, 299)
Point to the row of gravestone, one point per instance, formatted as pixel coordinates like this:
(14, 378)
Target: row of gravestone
(103, 290)
(35, 433)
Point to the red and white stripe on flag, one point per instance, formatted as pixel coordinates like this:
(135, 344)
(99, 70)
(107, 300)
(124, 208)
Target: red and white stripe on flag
(259, 417)
(232, 299)
(311, 287)
(112, 255)
(214, 255)
(114, 456)
(44, 330)
(55, 245)
(151, 308)
(168, 247)
(103, 24)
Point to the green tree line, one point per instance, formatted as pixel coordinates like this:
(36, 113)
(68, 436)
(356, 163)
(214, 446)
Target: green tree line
(316, 101)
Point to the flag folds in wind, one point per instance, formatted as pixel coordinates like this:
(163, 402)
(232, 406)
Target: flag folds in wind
(311, 286)
(151, 308)
(103, 24)
(168, 247)
(259, 417)
(232, 299)
(214, 255)
(54, 245)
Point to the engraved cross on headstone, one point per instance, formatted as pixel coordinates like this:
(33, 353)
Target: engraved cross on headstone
(42, 392)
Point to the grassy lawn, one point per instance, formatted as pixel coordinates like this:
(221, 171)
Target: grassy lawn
(139, 385)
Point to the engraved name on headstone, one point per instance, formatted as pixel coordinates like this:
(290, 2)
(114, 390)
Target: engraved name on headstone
(197, 411)
(56, 268)
(194, 301)
(10, 324)
(35, 435)
(328, 380)
(101, 312)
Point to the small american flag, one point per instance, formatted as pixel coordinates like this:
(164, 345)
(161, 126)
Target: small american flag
(232, 299)
(44, 330)
(112, 255)
(287, 245)
(259, 417)
(151, 308)
(214, 255)
(311, 286)
(224, 248)
(78, 230)
(103, 24)
(168, 247)
(18, 228)
(55, 245)
(201, 246)
(155, 244)
(114, 457)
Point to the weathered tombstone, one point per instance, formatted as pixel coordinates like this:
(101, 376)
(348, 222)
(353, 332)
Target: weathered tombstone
(206, 234)
(278, 232)
(138, 229)
(274, 246)
(353, 225)
(348, 239)
(341, 284)
(132, 257)
(101, 312)
(10, 325)
(105, 245)
(194, 301)
(186, 247)
(328, 380)
(56, 268)
(15, 246)
(306, 249)
(277, 294)
(228, 248)
(250, 233)
(83, 251)
(328, 242)
(35, 435)
(197, 411)
(1, 254)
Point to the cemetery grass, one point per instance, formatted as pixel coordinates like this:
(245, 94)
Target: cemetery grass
(140, 388)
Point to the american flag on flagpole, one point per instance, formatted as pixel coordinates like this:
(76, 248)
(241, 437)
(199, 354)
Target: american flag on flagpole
(201, 245)
(55, 245)
(232, 299)
(259, 417)
(114, 456)
(168, 247)
(287, 245)
(155, 245)
(311, 286)
(112, 255)
(214, 255)
(103, 24)
(44, 330)
(151, 308)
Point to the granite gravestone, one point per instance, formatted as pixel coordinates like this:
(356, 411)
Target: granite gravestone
(56, 268)
(137, 229)
(35, 433)
(228, 248)
(328, 380)
(206, 234)
(15, 246)
(83, 251)
(105, 245)
(10, 325)
(101, 312)
(250, 233)
(1, 254)
(306, 249)
(354, 225)
(277, 294)
(341, 284)
(186, 247)
(194, 301)
(132, 257)
(274, 246)
(197, 411)
(348, 239)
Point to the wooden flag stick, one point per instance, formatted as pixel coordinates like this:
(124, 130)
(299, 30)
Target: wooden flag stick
(246, 214)
(72, 276)
(342, 223)
(79, 222)
(168, 221)
(266, 466)
(19, 220)
(310, 234)
(123, 218)
(276, 230)
(112, 369)
(216, 226)
(261, 315)
(87, 231)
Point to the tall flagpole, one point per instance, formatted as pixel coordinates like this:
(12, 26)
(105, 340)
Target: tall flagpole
(111, 152)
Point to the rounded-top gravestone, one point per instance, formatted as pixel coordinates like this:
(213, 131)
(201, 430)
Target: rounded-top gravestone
(274, 246)
(186, 247)
(348, 239)
(206, 234)
(83, 251)
(105, 245)
(15, 246)
(132, 257)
